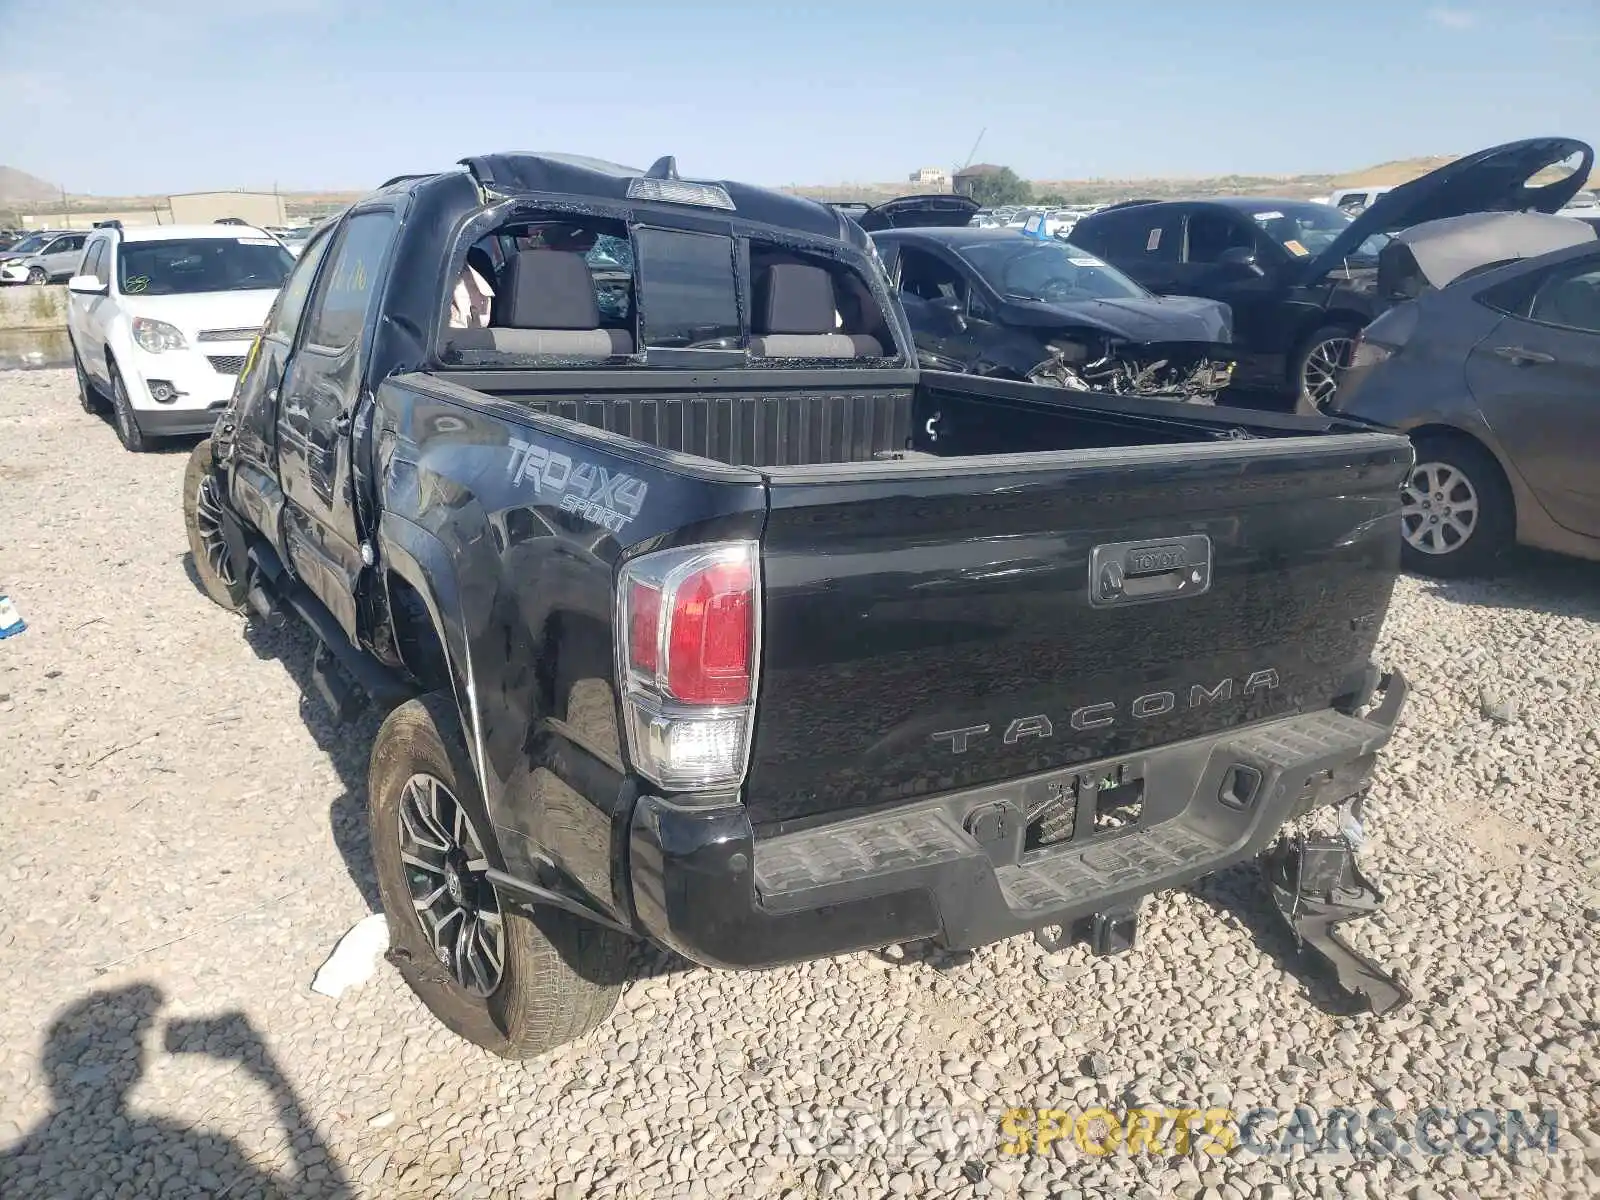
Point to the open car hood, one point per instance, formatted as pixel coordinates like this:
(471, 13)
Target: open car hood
(1436, 253)
(918, 212)
(1492, 180)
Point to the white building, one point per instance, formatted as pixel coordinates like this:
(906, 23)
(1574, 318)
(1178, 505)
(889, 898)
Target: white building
(934, 177)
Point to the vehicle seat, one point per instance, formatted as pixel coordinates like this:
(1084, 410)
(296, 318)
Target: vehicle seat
(795, 315)
(545, 304)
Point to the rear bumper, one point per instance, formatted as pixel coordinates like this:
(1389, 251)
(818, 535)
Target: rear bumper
(705, 886)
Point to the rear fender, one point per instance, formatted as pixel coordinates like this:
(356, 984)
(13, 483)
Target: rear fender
(416, 556)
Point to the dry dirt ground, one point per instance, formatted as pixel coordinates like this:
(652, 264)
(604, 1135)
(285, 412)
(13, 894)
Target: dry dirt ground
(182, 843)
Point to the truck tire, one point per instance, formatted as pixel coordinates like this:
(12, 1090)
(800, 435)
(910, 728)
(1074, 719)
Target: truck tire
(219, 576)
(1457, 515)
(123, 416)
(1315, 367)
(557, 977)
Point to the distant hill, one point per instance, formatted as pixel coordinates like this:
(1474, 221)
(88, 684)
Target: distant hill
(19, 190)
(20, 187)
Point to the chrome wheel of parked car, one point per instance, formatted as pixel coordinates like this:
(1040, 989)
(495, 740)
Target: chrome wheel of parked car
(128, 431)
(38, 275)
(1438, 508)
(208, 523)
(446, 869)
(1326, 362)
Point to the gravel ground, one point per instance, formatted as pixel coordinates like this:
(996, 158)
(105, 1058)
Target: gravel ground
(182, 845)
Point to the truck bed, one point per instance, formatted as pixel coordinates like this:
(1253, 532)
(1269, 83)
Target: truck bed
(935, 548)
(815, 418)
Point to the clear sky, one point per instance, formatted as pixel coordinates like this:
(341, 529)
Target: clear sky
(310, 94)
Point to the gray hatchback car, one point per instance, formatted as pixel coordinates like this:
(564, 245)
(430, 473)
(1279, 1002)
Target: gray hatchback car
(1496, 377)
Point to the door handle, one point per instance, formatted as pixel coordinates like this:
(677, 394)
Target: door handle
(1149, 570)
(1519, 356)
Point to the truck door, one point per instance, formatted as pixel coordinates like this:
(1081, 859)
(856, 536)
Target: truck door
(256, 402)
(317, 399)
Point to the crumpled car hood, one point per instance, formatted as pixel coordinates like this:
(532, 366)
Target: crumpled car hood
(1146, 319)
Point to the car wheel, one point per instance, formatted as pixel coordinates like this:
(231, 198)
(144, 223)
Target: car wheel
(88, 395)
(1322, 360)
(123, 416)
(220, 577)
(514, 984)
(1456, 511)
(38, 276)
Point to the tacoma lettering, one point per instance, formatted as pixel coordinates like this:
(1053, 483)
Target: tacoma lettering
(1104, 714)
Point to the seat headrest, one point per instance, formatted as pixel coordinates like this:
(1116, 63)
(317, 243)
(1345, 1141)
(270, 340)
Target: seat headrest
(549, 289)
(794, 298)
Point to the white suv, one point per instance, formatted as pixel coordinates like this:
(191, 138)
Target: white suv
(162, 318)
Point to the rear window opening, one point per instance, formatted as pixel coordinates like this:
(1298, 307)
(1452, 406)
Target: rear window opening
(557, 288)
(560, 289)
(808, 306)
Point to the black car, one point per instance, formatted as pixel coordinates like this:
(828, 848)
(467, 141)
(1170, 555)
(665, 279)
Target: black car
(1011, 305)
(1496, 377)
(1299, 276)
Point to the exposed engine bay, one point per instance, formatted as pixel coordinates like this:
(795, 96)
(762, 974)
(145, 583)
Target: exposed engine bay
(1091, 362)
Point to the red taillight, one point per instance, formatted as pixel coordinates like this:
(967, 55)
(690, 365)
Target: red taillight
(708, 651)
(644, 627)
(687, 631)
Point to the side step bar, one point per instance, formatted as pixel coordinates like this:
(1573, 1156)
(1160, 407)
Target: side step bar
(338, 665)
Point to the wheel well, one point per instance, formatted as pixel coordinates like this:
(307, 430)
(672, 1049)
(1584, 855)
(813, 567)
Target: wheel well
(1343, 317)
(416, 639)
(1449, 433)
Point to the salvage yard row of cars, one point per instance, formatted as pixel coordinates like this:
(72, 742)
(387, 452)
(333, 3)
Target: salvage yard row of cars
(1486, 346)
(735, 577)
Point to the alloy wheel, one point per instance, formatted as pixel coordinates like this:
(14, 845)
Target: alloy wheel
(123, 411)
(208, 520)
(446, 871)
(1325, 366)
(37, 276)
(1438, 508)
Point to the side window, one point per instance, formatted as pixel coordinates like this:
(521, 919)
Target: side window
(1162, 236)
(1353, 203)
(1570, 297)
(1211, 234)
(1145, 233)
(928, 278)
(291, 304)
(94, 260)
(67, 245)
(346, 289)
(686, 288)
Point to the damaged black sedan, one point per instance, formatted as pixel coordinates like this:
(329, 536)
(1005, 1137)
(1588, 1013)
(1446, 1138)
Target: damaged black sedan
(1006, 304)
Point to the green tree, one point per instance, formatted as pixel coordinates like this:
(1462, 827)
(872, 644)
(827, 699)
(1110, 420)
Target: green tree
(1003, 187)
(1054, 199)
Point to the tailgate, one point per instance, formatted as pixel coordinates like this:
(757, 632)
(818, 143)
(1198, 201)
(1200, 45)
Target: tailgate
(930, 626)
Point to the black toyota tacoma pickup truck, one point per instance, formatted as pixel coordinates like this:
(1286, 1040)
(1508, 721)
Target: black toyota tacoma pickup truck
(702, 616)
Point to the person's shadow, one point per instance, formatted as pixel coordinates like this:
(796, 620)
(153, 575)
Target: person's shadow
(91, 1143)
